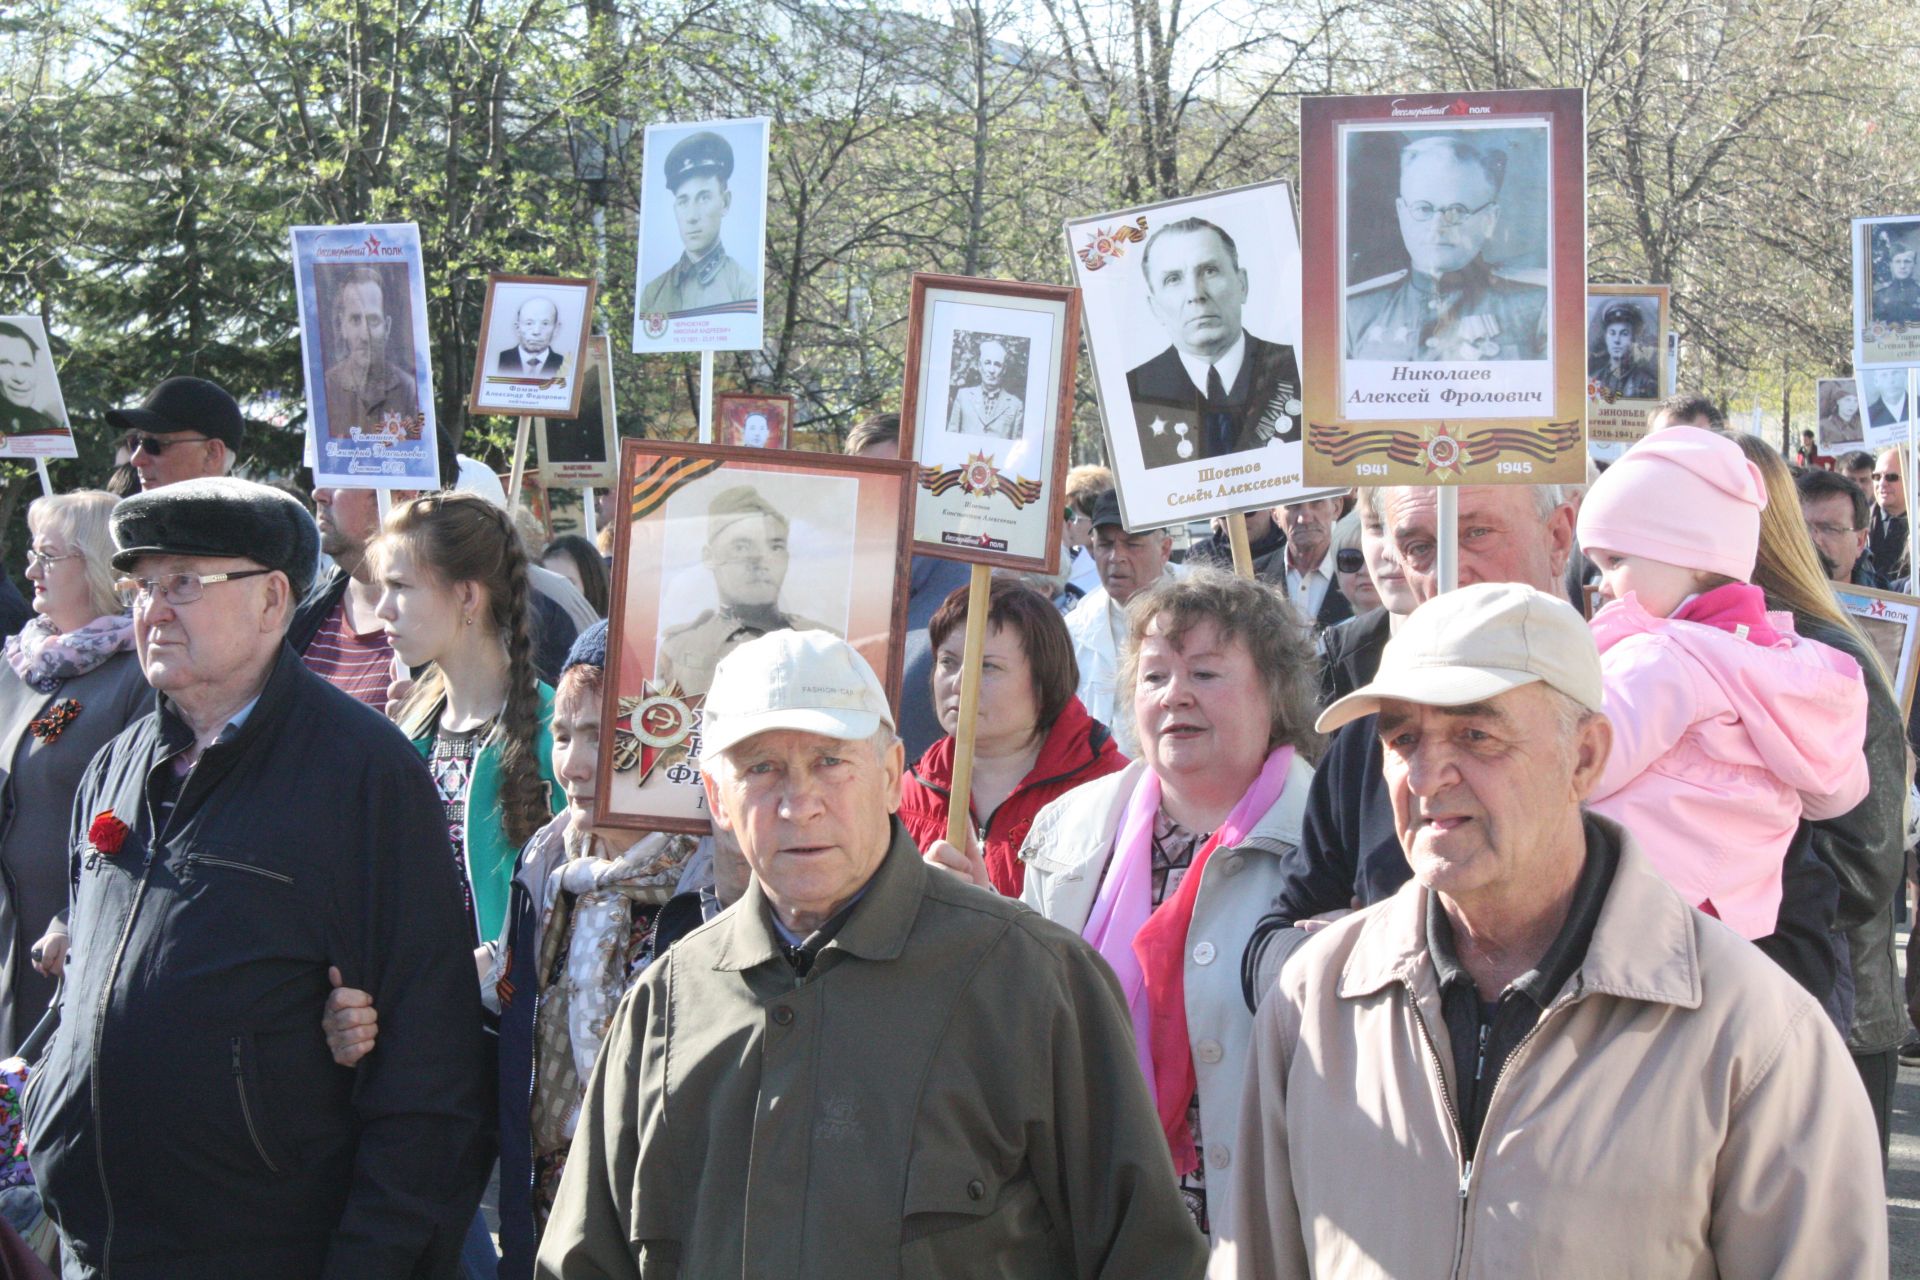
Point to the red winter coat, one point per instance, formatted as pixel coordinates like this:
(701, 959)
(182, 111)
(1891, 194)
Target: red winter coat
(1078, 749)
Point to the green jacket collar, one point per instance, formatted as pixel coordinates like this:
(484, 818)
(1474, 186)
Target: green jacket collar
(877, 929)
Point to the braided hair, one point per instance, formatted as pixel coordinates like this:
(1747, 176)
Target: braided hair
(462, 537)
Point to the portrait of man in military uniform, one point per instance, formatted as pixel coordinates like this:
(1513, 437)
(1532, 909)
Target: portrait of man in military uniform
(1449, 303)
(21, 391)
(746, 551)
(1216, 389)
(1896, 300)
(1616, 362)
(368, 384)
(984, 406)
(697, 172)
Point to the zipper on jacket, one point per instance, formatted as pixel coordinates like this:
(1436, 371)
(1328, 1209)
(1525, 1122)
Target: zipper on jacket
(201, 859)
(246, 1108)
(99, 1034)
(1459, 1133)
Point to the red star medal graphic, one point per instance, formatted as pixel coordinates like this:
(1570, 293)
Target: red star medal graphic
(653, 727)
(1441, 453)
(979, 475)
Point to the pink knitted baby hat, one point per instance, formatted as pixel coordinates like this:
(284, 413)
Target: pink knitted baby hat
(1681, 496)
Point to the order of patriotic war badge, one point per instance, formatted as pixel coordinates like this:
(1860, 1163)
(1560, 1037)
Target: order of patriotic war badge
(659, 730)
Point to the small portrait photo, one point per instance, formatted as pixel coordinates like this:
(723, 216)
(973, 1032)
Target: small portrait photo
(532, 352)
(1886, 295)
(1895, 300)
(1623, 333)
(754, 421)
(1840, 426)
(982, 400)
(703, 215)
(1446, 242)
(33, 417)
(717, 547)
(1891, 623)
(367, 349)
(987, 415)
(1886, 397)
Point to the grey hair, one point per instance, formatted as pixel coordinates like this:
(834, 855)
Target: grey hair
(1570, 713)
(1547, 499)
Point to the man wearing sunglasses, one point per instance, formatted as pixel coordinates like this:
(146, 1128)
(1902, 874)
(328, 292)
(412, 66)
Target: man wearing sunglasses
(185, 428)
(257, 830)
(1450, 303)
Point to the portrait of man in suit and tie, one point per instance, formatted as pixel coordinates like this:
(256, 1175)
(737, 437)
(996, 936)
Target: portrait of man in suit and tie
(536, 325)
(1216, 389)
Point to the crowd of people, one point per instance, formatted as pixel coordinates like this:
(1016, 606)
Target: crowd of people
(1313, 922)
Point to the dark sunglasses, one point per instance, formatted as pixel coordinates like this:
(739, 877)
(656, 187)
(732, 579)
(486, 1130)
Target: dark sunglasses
(157, 445)
(1349, 560)
(1891, 477)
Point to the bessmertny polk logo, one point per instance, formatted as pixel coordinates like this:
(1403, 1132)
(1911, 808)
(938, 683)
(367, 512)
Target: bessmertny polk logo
(655, 324)
(654, 728)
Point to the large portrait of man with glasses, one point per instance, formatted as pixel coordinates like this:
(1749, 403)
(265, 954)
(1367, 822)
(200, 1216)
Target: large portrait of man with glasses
(1458, 272)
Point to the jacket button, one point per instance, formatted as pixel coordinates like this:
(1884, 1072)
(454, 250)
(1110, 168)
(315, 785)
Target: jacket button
(1219, 1157)
(976, 1189)
(783, 1015)
(1207, 1051)
(1203, 954)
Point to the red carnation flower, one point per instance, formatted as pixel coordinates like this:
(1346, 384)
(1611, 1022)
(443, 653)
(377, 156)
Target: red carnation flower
(107, 833)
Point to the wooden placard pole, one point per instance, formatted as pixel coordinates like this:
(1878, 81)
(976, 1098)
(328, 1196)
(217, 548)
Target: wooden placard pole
(960, 796)
(706, 397)
(1242, 548)
(1448, 555)
(1907, 471)
(519, 462)
(46, 481)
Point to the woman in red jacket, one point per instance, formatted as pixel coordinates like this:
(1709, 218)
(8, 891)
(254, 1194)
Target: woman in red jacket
(1033, 741)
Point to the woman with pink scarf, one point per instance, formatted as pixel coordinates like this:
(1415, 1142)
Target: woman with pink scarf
(1166, 867)
(70, 682)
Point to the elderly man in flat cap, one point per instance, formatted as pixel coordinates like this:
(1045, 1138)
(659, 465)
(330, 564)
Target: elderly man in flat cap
(697, 171)
(865, 1069)
(1537, 1058)
(746, 550)
(259, 828)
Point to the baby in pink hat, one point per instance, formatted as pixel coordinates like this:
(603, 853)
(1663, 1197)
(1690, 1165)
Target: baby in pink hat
(1728, 727)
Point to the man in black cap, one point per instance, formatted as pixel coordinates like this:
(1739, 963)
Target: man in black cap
(187, 1118)
(697, 171)
(185, 428)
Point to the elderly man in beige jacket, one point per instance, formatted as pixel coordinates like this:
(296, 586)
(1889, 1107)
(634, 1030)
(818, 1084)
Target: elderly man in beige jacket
(1537, 1059)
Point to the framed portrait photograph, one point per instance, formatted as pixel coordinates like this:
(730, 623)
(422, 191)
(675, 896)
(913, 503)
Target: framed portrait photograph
(1842, 425)
(1626, 362)
(703, 232)
(1886, 293)
(717, 546)
(362, 295)
(583, 452)
(33, 416)
(1884, 408)
(986, 416)
(1193, 325)
(533, 346)
(1445, 336)
(754, 421)
(1892, 624)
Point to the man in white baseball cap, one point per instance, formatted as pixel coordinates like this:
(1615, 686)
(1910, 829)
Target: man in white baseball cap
(1536, 1056)
(865, 1067)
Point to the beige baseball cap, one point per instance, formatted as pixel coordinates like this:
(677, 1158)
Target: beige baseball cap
(1476, 643)
(810, 681)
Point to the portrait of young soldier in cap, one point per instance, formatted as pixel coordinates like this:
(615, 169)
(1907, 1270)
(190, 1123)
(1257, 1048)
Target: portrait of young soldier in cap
(746, 551)
(697, 171)
(20, 387)
(1616, 365)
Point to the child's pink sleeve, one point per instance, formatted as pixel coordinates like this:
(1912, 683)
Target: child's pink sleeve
(1651, 698)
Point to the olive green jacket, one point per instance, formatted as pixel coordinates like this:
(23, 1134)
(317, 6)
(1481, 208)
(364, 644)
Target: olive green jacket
(951, 1092)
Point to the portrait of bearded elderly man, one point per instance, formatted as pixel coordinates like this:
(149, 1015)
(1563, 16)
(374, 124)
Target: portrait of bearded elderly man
(1449, 303)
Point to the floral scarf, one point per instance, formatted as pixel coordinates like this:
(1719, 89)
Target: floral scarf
(44, 657)
(584, 962)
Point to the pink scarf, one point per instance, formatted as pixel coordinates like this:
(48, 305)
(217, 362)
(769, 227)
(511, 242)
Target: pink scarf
(1124, 905)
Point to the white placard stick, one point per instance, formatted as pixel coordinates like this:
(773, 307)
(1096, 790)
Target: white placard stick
(46, 481)
(706, 397)
(1448, 554)
(589, 515)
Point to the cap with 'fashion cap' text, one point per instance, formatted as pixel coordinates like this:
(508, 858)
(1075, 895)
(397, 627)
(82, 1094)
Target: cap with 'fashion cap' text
(808, 681)
(1477, 643)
